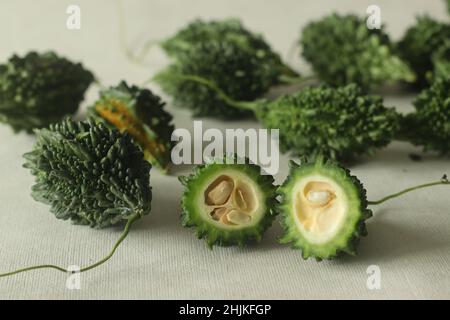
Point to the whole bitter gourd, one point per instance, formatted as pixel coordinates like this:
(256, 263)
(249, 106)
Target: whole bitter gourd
(140, 113)
(39, 89)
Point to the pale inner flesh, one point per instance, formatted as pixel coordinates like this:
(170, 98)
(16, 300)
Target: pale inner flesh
(320, 207)
(230, 200)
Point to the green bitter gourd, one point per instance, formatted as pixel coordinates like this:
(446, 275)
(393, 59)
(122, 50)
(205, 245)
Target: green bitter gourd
(419, 43)
(228, 203)
(324, 209)
(39, 89)
(90, 175)
(429, 125)
(338, 123)
(241, 63)
(343, 50)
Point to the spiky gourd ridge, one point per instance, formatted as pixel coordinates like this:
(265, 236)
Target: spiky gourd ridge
(240, 62)
(338, 123)
(205, 229)
(420, 42)
(39, 89)
(429, 125)
(342, 50)
(140, 113)
(89, 174)
(348, 236)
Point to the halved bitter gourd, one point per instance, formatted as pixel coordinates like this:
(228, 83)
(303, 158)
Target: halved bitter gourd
(324, 209)
(228, 204)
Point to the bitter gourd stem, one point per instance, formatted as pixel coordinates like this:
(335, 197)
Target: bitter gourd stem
(285, 79)
(129, 54)
(443, 181)
(124, 234)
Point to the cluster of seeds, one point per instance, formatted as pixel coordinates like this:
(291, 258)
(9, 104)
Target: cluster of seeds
(232, 201)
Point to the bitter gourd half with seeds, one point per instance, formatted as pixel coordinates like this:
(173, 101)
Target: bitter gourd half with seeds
(140, 113)
(324, 208)
(228, 204)
(39, 89)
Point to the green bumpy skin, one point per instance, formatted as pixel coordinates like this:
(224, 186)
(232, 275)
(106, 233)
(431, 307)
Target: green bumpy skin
(346, 211)
(419, 43)
(240, 73)
(441, 62)
(429, 126)
(227, 31)
(259, 203)
(39, 89)
(338, 123)
(89, 174)
(238, 61)
(140, 113)
(342, 50)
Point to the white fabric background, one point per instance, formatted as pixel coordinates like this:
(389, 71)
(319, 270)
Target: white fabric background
(409, 238)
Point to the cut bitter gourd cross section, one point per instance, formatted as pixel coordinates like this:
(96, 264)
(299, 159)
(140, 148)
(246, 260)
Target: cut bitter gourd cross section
(228, 204)
(324, 209)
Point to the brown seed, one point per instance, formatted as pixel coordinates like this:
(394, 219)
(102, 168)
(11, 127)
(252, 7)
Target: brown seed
(220, 194)
(217, 213)
(238, 217)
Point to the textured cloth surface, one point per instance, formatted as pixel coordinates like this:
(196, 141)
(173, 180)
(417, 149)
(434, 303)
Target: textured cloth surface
(409, 238)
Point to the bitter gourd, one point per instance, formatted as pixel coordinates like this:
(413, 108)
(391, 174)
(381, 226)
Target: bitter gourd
(228, 203)
(140, 113)
(240, 62)
(343, 50)
(419, 44)
(324, 208)
(90, 175)
(39, 89)
(429, 125)
(338, 123)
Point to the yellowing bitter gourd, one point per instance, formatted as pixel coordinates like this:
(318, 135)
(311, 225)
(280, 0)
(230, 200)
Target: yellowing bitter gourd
(228, 204)
(324, 209)
(140, 113)
(90, 175)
